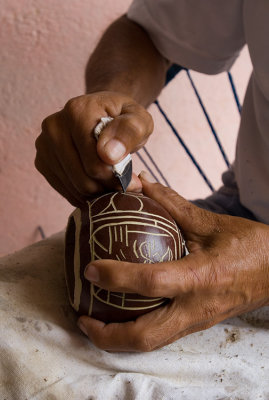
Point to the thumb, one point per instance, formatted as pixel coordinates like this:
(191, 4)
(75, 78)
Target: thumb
(125, 134)
(190, 218)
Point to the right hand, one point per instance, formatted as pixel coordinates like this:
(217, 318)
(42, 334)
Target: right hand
(68, 155)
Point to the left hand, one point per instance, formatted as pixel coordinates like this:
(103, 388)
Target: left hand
(225, 274)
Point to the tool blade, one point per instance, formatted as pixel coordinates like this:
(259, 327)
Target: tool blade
(122, 170)
(126, 176)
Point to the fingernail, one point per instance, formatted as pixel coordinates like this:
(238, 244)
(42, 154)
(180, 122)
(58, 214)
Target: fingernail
(146, 177)
(91, 273)
(82, 327)
(115, 149)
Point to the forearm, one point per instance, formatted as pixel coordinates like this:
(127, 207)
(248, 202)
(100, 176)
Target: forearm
(126, 61)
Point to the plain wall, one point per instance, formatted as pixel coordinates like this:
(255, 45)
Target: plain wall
(44, 49)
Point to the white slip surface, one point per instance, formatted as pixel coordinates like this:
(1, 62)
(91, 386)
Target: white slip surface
(44, 355)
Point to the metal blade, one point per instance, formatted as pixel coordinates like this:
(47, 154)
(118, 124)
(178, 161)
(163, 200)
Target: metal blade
(122, 170)
(126, 176)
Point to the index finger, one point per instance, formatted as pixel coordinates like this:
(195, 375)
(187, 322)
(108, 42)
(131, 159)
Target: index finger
(82, 115)
(194, 221)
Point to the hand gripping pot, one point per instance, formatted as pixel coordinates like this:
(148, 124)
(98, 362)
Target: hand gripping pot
(119, 226)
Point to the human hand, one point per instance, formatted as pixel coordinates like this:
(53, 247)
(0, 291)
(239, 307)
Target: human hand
(225, 274)
(67, 152)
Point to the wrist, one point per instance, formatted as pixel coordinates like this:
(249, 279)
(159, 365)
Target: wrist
(133, 66)
(117, 84)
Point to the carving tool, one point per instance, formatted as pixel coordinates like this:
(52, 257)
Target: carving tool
(122, 170)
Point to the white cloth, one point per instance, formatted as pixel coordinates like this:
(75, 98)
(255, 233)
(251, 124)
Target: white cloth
(44, 356)
(207, 36)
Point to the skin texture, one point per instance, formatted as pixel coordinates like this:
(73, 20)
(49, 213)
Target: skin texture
(118, 85)
(68, 155)
(225, 274)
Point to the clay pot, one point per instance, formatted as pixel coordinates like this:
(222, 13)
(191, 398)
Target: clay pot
(119, 226)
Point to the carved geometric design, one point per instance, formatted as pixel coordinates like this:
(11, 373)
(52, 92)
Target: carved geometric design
(120, 226)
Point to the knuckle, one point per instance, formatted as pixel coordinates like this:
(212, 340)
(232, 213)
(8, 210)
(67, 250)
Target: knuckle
(99, 342)
(37, 142)
(143, 343)
(173, 196)
(141, 132)
(46, 124)
(74, 107)
(37, 163)
(136, 128)
(50, 129)
(149, 123)
(178, 203)
(152, 280)
(174, 200)
(168, 193)
(145, 119)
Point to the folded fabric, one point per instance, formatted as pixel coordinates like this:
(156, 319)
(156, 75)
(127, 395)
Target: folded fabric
(45, 356)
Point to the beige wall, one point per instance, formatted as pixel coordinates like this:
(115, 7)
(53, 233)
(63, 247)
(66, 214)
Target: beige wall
(44, 49)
